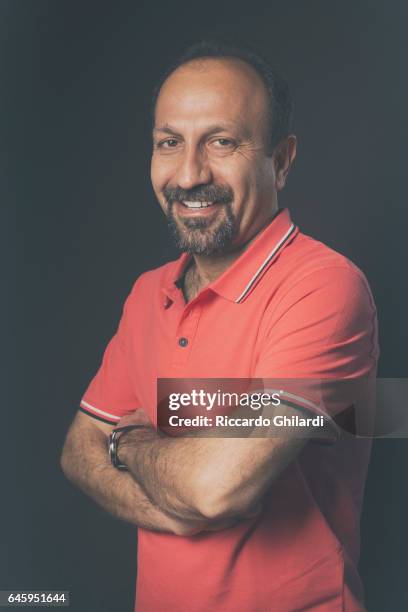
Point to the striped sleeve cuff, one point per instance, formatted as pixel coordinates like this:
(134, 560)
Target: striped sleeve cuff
(100, 415)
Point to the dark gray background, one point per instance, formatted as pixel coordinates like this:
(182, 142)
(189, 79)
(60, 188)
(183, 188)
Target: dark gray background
(80, 223)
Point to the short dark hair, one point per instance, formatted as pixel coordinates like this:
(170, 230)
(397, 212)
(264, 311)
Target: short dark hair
(280, 101)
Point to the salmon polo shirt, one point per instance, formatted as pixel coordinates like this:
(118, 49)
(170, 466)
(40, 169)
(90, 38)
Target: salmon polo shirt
(288, 307)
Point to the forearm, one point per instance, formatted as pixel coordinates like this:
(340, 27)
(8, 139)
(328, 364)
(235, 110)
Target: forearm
(188, 477)
(213, 478)
(85, 462)
(156, 464)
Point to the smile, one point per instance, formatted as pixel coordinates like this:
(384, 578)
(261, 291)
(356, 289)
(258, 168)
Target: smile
(197, 204)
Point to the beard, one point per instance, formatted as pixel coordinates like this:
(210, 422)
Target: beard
(201, 236)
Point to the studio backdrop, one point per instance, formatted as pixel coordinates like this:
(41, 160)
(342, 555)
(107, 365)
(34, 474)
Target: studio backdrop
(81, 223)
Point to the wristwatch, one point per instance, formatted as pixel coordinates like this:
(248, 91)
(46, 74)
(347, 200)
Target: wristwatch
(114, 439)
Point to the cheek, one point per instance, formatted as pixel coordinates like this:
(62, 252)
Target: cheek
(160, 172)
(159, 181)
(233, 172)
(256, 183)
(155, 173)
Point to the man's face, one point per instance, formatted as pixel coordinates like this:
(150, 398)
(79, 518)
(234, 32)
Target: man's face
(210, 171)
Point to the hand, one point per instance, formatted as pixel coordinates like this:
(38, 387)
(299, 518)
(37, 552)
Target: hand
(138, 417)
(187, 528)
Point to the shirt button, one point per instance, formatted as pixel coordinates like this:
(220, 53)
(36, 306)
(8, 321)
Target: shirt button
(183, 342)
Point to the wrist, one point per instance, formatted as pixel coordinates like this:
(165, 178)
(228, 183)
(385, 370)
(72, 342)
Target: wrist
(114, 439)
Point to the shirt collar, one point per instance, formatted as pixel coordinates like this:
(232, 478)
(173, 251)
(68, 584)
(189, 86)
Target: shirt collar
(237, 282)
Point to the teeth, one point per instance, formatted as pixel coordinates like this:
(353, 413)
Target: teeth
(197, 204)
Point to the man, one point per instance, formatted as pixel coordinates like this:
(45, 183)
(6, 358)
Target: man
(239, 524)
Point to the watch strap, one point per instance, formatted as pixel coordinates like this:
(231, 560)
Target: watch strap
(114, 438)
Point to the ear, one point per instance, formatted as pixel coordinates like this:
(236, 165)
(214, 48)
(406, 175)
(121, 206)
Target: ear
(283, 157)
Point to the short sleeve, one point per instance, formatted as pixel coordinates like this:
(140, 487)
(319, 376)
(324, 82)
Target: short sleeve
(111, 394)
(322, 332)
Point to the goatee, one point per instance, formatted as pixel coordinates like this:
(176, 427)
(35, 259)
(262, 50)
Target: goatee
(202, 236)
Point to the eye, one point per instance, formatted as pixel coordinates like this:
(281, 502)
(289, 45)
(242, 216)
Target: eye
(168, 143)
(167, 146)
(224, 143)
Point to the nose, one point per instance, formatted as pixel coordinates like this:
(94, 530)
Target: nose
(194, 169)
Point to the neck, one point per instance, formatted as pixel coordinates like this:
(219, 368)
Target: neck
(210, 267)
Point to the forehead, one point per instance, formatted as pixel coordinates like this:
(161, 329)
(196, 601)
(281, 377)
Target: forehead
(212, 91)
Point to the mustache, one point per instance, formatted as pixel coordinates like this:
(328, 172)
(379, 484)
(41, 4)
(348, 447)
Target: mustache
(203, 193)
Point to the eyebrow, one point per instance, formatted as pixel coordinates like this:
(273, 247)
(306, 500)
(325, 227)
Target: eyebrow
(212, 129)
(167, 129)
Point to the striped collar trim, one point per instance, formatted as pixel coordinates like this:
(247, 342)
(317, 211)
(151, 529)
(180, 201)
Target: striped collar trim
(265, 263)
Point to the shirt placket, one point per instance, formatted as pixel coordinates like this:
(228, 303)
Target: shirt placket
(184, 338)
